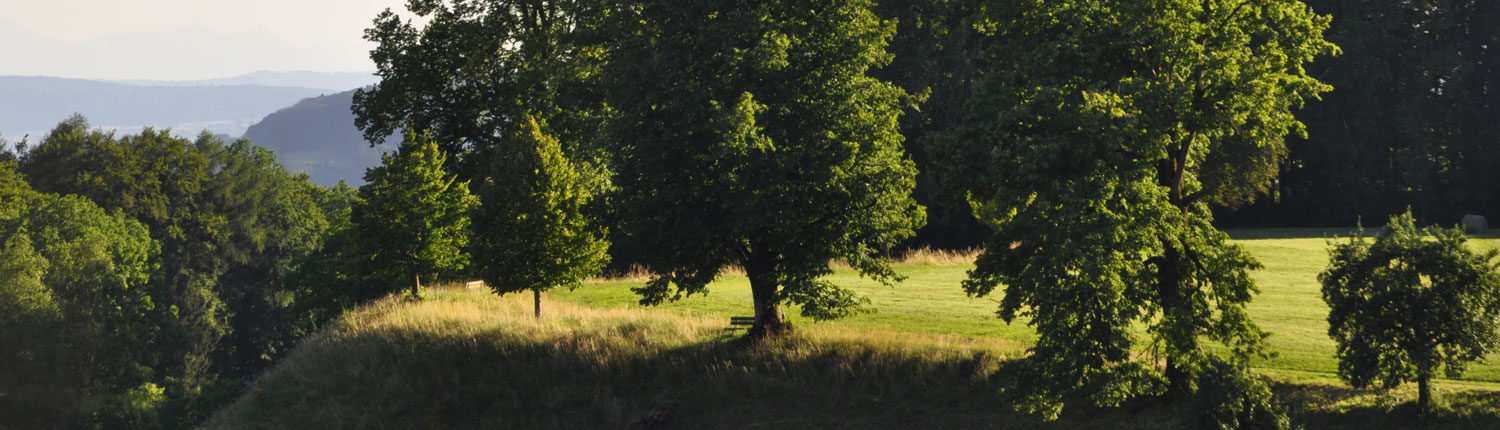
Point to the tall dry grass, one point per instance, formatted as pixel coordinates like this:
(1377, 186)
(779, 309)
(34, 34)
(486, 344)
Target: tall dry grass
(923, 255)
(469, 359)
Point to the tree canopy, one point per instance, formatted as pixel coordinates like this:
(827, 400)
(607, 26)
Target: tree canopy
(750, 134)
(1402, 306)
(475, 70)
(1097, 138)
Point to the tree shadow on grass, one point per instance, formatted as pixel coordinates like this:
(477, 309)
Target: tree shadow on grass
(1294, 233)
(1324, 406)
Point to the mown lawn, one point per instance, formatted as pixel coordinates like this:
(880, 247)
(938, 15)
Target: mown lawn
(930, 303)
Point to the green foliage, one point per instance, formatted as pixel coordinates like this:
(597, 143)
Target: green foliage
(273, 218)
(1229, 397)
(158, 180)
(475, 71)
(750, 134)
(412, 217)
(229, 221)
(333, 278)
(531, 232)
(76, 309)
(1104, 130)
(1403, 306)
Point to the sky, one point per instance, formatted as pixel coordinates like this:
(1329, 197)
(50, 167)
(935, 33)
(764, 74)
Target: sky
(184, 39)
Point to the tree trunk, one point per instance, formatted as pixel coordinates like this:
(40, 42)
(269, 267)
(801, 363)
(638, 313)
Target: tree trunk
(1169, 273)
(1424, 394)
(415, 284)
(536, 301)
(769, 321)
(1169, 290)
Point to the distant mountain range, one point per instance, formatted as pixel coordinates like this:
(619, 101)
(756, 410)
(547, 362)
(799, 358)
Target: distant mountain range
(331, 81)
(33, 105)
(304, 116)
(317, 135)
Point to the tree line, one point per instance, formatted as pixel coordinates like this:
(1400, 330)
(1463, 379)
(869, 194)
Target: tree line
(1085, 145)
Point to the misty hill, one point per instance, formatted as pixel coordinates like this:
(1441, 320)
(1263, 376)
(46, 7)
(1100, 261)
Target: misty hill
(33, 105)
(317, 135)
(331, 81)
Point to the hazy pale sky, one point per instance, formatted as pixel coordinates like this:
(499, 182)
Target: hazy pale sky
(184, 39)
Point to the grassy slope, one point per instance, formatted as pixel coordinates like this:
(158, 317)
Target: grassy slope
(471, 360)
(467, 359)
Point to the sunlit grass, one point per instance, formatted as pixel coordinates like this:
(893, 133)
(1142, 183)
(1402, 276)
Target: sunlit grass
(931, 301)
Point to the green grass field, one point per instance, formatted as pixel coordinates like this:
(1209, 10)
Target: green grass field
(931, 303)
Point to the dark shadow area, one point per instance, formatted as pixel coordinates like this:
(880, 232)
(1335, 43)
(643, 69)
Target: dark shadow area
(1294, 233)
(1313, 406)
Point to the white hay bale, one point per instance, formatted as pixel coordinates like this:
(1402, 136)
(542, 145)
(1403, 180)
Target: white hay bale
(1475, 224)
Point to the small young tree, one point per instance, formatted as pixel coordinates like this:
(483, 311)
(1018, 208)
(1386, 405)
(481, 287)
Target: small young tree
(531, 231)
(412, 217)
(1403, 306)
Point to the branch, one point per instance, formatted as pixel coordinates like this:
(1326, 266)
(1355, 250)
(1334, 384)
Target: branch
(1199, 195)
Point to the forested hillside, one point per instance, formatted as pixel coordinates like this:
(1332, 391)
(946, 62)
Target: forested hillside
(317, 136)
(147, 275)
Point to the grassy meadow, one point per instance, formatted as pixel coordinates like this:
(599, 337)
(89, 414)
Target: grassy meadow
(930, 357)
(931, 303)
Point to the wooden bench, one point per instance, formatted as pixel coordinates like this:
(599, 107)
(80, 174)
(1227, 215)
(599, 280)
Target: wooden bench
(736, 323)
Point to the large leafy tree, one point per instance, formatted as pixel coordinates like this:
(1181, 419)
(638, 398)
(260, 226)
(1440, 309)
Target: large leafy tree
(749, 134)
(1402, 307)
(412, 217)
(1107, 130)
(531, 232)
